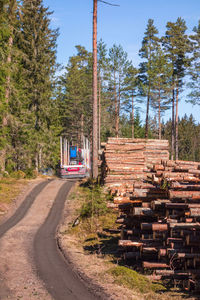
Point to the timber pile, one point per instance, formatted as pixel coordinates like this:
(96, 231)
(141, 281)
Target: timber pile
(125, 161)
(160, 222)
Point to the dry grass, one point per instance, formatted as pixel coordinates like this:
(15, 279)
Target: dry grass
(10, 188)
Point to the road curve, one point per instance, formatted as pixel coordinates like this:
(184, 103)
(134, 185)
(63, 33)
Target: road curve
(23, 208)
(60, 280)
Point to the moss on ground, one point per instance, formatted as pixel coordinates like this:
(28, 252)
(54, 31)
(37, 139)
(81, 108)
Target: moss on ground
(133, 280)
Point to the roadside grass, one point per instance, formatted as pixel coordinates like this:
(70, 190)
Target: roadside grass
(90, 221)
(10, 188)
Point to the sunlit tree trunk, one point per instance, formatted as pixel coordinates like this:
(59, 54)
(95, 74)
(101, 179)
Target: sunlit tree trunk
(176, 127)
(132, 116)
(95, 117)
(159, 112)
(173, 131)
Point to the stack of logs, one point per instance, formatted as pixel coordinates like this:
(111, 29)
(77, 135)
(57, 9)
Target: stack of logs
(160, 221)
(125, 161)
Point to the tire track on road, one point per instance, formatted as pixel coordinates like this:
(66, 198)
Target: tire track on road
(23, 208)
(60, 280)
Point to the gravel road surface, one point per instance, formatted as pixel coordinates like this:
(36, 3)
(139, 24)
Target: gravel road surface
(32, 266)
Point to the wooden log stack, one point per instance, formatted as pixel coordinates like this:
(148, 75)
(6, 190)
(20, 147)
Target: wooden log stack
(159, 208)
(160, 224)
(125, 161)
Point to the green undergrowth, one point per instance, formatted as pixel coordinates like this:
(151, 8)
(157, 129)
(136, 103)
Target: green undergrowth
(133, 280)
(93, 218)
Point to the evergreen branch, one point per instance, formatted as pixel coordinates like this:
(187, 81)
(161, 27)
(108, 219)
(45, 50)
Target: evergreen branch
(108, 3)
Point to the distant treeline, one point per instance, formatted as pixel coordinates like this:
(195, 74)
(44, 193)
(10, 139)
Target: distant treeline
(36, 106)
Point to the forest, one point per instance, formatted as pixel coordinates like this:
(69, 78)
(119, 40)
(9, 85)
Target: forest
(37, 105)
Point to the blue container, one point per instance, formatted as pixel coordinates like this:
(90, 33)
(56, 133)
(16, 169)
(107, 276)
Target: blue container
(73, 152)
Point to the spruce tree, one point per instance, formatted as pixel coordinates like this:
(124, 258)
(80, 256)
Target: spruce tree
(8, 20)
(37, 42)
(75, 96)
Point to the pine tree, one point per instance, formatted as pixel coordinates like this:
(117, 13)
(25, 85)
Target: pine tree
(177, 46)
(194, 70)
(118, 65)
(162, 72)
(130, 94)
(102, 78)
(149, 46)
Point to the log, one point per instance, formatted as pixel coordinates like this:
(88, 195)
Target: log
(130, 255)
(129, 243)
(154, 265)
(158, 167)
(184, 194)
(149, 250)
(193, 240)
(182, 205)
(188, 255)
(142, 211)
(154, 226)
(194, 212)
(184, 225)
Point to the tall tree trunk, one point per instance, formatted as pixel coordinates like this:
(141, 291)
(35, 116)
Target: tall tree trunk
(36, 160)
(173, 131)
(40, 157)
(116, 108)
(99, 112)
(132, 116)
(159, 112)
(95, 100)
(147, 115)
(176, 135)
(82, 128)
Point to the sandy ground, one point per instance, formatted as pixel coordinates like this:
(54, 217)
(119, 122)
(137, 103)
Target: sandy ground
(18, 279)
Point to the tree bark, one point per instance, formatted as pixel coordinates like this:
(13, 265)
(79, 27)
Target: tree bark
(132, 117)
(116, 108)
(159, 111)
(82, 127)
(99, 112)
(95, 101)
(147, 115)
(173, 131)
(176, 127)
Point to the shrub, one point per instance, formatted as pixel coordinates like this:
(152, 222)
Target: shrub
(95, 204)
(18, 174)
(31, 173)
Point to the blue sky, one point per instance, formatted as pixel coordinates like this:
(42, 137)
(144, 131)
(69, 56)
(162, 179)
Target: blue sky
(123, 25)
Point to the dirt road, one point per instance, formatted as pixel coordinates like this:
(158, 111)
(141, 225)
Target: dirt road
(32, 267)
